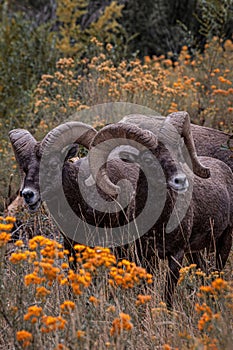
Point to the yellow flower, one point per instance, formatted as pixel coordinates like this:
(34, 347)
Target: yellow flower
(16, 258)
(147, 59)
(219, 284)
(42, 292)
(120, 324)
(52, 323)
(67, 306)
(142, 299)
(24, 337)
(206, 289)
(19, 243)
(10, 219)
(166, 347)
(32, 278)
(94, 300)
(80, 334)
(4, 238)
(33, 311)
(220, 92)
(185, 48)
(64, 265)
(6, 227)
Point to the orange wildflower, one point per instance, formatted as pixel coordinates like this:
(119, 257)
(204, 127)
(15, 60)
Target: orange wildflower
(4, 238)
(19, 243)
(219, 284)
(67, 306)
(166, 347)
(33, 311)
(142, 299)
(120, 324)
(16, 258)
(25, 337)
(80, 334)
(6, 227)
(42, 292)
(147, 59)
(52, 323)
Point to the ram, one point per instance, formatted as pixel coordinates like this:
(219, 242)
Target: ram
(28, 151)
(207, 220)
(83, 199)
(208, 141)
(33, 164)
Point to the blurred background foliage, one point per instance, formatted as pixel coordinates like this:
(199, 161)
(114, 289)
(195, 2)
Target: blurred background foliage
(34, 34)
(60, 56)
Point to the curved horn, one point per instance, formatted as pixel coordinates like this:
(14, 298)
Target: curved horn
(181, 122)
(101, 149)
(22, 142)
(67, 133)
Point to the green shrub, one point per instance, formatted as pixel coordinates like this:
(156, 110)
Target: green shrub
(26, 51)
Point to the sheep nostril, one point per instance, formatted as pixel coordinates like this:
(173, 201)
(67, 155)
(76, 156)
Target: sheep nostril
(28, 195)
(180, 180)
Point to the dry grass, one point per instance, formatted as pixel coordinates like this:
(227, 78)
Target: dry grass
(104, 304)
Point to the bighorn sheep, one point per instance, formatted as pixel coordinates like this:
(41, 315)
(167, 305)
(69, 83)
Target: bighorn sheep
(28, 151)
(208, 222)
(208, 141)
(28, 154)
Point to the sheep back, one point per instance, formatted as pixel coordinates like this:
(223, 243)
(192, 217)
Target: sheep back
(212, 204)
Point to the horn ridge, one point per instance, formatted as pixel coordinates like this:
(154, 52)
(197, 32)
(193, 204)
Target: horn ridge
(181, 122)
(67, 133)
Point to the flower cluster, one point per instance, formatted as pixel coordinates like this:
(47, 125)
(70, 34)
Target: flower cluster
(52, 323)
(6, 225)
(217, 287)
(215, 298)
(94, 258)
(33, 313)
(121, 323)
(127, 274)
(190, 274)
(142, 299)
(205, 322)
(24, 337)
(200, 84)
(67, 306)
(48, 267)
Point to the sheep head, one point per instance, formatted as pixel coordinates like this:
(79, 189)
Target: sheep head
(168, 139)
(42, 162)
